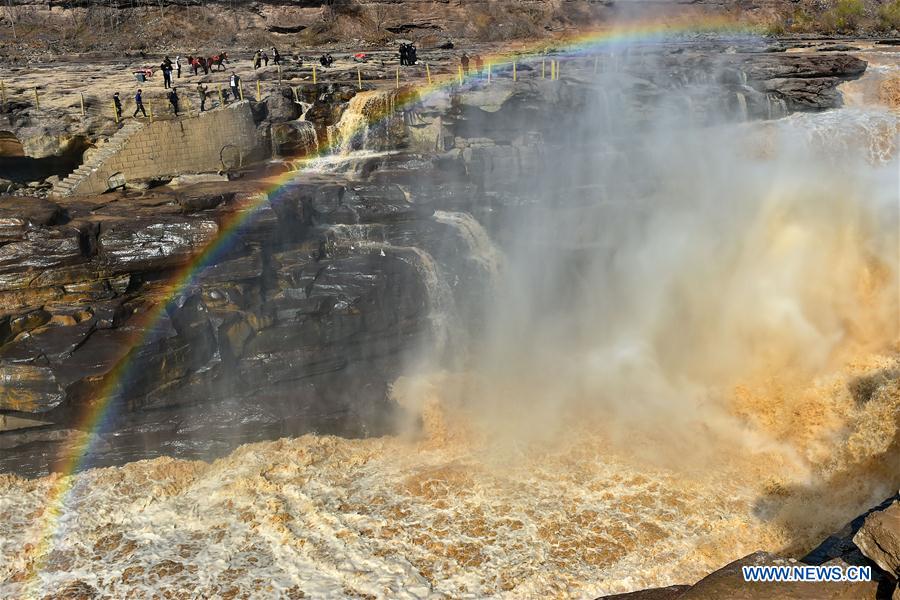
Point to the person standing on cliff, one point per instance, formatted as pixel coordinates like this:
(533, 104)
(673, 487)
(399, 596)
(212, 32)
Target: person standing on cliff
(166, 68)
(464, 62)
(257, 57)
(479, 65)
(202, 90)
(265, 58)
(178, 67)
(118, 103)
(276, 58)
(173, 100)
(139, 103)
(235, 81)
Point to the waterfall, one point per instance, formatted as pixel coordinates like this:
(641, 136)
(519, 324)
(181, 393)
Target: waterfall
(742, 106)
(307, 134)
(775, 107)
(294, 139)
(442, 307)
(372, 238)
(366, 123)
(353, 126)
(443, 312)
(481, 249)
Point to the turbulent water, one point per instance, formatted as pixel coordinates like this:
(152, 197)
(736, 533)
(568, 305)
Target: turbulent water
(448, 515)
(657, 390)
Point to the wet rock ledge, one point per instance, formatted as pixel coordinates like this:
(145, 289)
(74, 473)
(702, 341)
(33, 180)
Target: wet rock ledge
(299, 319)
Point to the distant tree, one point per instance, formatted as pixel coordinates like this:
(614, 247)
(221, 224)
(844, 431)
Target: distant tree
(334, 8)
(889, 14)
(380, 13)
(12, 18)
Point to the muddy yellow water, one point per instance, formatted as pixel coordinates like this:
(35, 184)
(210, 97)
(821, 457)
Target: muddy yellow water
(450, 513)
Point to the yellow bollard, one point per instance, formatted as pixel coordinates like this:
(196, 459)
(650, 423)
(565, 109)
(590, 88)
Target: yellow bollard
(358, 78)
(221, 98)
(2, 93)
(115, 113)
(258, 93)
(460, 74)
(557, 70)
(315, 79)
(428, 73)
(279, 75)
(82, 105)
(150, 110)
(515, 73)
(241, 90)
(543, 68)
(398, 78)
(37, 101)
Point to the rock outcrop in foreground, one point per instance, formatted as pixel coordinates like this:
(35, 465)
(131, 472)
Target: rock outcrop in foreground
(728, 582)
(879, 539)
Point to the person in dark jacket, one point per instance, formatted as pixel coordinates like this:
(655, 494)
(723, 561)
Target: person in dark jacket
(139, 103)
(276, 58)
(166, 68)
(173, 100)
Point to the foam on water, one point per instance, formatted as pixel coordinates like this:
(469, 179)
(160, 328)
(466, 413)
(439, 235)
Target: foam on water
(850, 132)
(446, 515)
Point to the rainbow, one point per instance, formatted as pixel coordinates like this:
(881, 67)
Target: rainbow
(97, 413)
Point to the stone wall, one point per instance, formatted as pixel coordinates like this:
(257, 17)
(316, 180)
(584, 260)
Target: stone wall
(209, 142)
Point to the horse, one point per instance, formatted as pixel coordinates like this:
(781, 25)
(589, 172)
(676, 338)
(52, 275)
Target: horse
(218, 60)
(197, 63)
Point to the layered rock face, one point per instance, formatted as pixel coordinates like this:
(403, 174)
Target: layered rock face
(291, 313)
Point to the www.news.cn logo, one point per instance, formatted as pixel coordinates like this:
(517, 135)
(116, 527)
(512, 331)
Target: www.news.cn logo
(808, 573)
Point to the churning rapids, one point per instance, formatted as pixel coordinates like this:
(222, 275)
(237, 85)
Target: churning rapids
(688, 356)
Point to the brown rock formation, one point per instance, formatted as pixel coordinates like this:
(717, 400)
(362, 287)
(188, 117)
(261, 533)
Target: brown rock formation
(879, 538)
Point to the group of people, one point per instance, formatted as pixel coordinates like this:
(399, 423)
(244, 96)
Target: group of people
(465, 61)
(139, 103)
(260, 58)
(408, 55)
